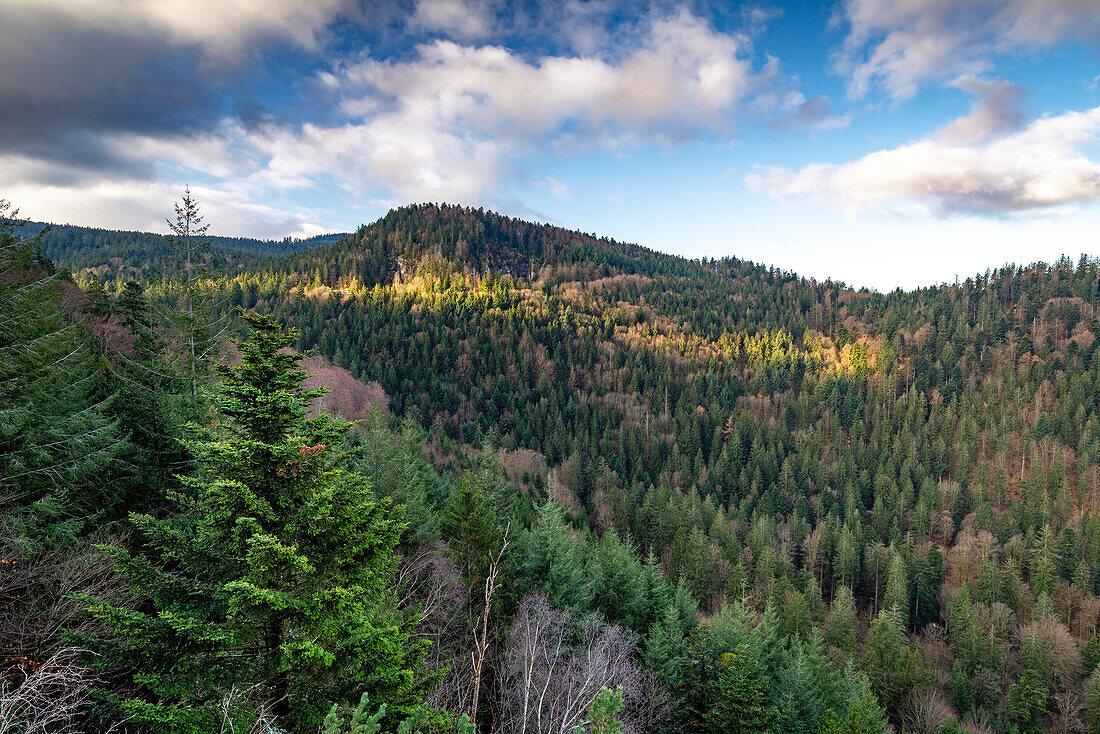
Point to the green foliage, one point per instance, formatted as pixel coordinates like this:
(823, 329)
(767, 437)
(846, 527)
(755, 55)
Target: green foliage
(278, 551)
(125, 253)
(738, 702)
(395, 465)
(1092, 699)
(470, 521)
(805, 689)
(1043, 569)
(841, 630)
(735, 698)
(360, 720)
(1026, 704)
(357, 721)
(960, 687)
(1090, 655)
(603, 713)
(620, 591)
(896, 599)
(56, 436)
(666, 645)
(555, 560)
(864, 715)
(894, 668)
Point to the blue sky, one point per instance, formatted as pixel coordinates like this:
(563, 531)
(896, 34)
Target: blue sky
(880, 142)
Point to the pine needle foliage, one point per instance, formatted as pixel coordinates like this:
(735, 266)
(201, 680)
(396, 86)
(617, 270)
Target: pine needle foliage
(54, 434)
(274, 576)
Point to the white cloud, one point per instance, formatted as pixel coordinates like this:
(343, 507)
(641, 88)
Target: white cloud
(558, 188)
(143, 205)
(997, 110)
(901, 44)
(454, 18)
(448, 123)
(970, 166)
(685, 75)
(403, 157)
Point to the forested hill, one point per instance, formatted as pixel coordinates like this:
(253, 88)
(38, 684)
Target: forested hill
(128, 254)
(754, 501)
(444, 239)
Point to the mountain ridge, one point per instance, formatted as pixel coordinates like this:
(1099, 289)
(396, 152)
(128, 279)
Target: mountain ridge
(67, 245)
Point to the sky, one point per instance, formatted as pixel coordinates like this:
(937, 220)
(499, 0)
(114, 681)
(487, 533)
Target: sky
(883, 143)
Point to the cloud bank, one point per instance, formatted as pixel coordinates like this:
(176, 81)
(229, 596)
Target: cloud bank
(451, 117)
(978, 164)
(447, 123)
(899, 45)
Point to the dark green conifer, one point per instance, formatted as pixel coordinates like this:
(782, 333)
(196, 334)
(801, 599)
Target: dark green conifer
(269, 591)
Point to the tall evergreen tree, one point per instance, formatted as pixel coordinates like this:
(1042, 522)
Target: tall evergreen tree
(192, 290)
(55, 434)
(269, 591)
(553, 561)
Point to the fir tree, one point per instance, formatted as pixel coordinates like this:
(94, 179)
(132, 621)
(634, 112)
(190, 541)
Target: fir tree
(270, 589)
(603, 713)
(553, 563)
(55, 435)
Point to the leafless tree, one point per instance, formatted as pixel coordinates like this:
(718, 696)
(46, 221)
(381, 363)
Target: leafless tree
(650, 705)
(554, 664)
(44, 699)
(1068, 718)
(37, 595)
(1061, 649)
(481, 638)
(429, 581)
(926, 712)
(249, 699)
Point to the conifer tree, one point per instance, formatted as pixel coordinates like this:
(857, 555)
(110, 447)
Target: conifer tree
(893, 667)
(193, 290)
(153, 404)
(269, 590)
(1043, 569)
(56, 440)
(896, 599)
(1092, 699)
(865, 715)
(603, 713)
(470, 522)
(55, 435)
(841, 629)
(619, 584)
(553, 564)
(736, 701)
(665, 644)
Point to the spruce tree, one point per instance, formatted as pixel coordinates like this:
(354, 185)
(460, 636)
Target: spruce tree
(603, 713)
(55, 441)
(553, 561)
(269, 591)
(619, 583)
(55, 435)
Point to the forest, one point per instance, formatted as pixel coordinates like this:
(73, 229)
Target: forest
(460, 472)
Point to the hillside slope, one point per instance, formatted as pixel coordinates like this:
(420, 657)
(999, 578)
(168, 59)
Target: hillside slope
(636, 371)
(732, 462)
(119, 254)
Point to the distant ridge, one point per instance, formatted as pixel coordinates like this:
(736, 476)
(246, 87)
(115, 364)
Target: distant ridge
(109, 251)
